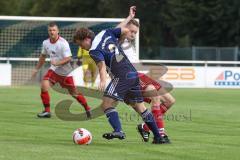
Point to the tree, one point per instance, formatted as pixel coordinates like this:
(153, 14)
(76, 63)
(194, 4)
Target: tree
(205, 22)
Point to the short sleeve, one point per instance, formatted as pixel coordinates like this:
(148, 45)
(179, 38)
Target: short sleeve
(96, 55)
(66, 50)
(116, 32)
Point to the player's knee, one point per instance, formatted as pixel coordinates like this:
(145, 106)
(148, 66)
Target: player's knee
(74, 96)
(138, 107)
(105, 105)
(45, 85)
(73, 92)
(155, 100)
(171, 101)
(150, 87)
(151, 91)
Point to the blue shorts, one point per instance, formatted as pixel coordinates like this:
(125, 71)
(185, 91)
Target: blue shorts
(127, 90)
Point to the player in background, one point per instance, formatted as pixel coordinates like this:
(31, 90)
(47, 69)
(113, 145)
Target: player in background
(124, 86)
(60, 55)
(89, 67)
(159, 104)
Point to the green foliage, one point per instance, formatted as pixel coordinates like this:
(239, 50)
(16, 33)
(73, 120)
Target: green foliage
(167, 23)
(206, 22)
(9, 7)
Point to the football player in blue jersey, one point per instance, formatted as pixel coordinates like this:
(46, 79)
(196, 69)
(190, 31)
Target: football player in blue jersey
(105, 50)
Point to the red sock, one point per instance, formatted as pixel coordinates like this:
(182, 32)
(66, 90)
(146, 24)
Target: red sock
(145, 127)
(158, 116)
(81, 99)
(46, 100)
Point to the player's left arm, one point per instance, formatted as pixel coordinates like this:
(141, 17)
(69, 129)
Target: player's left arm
(121, 29)
(131, 15)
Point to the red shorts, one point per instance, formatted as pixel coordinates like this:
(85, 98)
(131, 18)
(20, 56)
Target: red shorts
(145, 81)
(64, 81)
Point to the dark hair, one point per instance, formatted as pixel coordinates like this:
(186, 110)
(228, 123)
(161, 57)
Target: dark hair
(83, 33)
(134, 22)
(52, 24)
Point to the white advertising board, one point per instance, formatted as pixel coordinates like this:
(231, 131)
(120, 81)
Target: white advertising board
(223, 77)
(5, 74)
(189, 77)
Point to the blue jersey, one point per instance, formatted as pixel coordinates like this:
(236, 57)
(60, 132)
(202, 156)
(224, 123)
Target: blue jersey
(105, 47)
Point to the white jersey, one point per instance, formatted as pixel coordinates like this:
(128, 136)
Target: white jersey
(58, 51)
(129, 51)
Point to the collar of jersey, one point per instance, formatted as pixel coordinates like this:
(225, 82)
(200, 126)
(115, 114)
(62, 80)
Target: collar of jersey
(54, 41)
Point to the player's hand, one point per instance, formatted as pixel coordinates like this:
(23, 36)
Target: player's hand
(132, 11)
(102, 85)
(34, 74)
(53, 62)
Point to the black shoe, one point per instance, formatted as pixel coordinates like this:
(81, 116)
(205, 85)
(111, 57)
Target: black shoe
(165, 137)
(44, 114)
(120, 135)
(143, 133)
(89, 114)
(159, 140)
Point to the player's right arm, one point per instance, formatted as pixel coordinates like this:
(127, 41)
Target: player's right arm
(41, 61)
(103, 75)
(98, 57)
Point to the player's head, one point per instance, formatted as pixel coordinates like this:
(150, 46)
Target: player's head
(53, 30)
(84, 37)
(133, 27)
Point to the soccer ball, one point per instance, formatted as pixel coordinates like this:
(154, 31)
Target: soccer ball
(82, 136)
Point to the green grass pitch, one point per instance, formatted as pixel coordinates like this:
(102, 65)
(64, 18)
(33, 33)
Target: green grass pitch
(203, 124)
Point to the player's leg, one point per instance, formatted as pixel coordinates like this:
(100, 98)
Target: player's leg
(167, 100)
(111, 96)
(149, 120)
(45, 85)
(72, 89)
(108, 105)
(47, 82)
(158, 110)
(152, 87)
(143, 128)
(155, 106)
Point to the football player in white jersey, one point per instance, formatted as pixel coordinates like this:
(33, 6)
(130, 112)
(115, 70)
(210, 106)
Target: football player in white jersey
(57, 48)
(159, 104)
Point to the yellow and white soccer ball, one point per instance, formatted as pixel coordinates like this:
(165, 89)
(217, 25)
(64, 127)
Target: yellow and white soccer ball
(82, 136)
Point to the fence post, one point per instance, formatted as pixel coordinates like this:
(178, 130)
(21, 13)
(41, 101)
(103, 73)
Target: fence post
(236, 54)
(205, 73)
(8, 60)
(193, 53)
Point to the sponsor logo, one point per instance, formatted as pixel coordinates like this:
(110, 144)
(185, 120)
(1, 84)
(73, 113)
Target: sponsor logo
(228, 78)
(180, 74)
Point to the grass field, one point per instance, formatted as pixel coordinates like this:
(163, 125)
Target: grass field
(203, 124)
